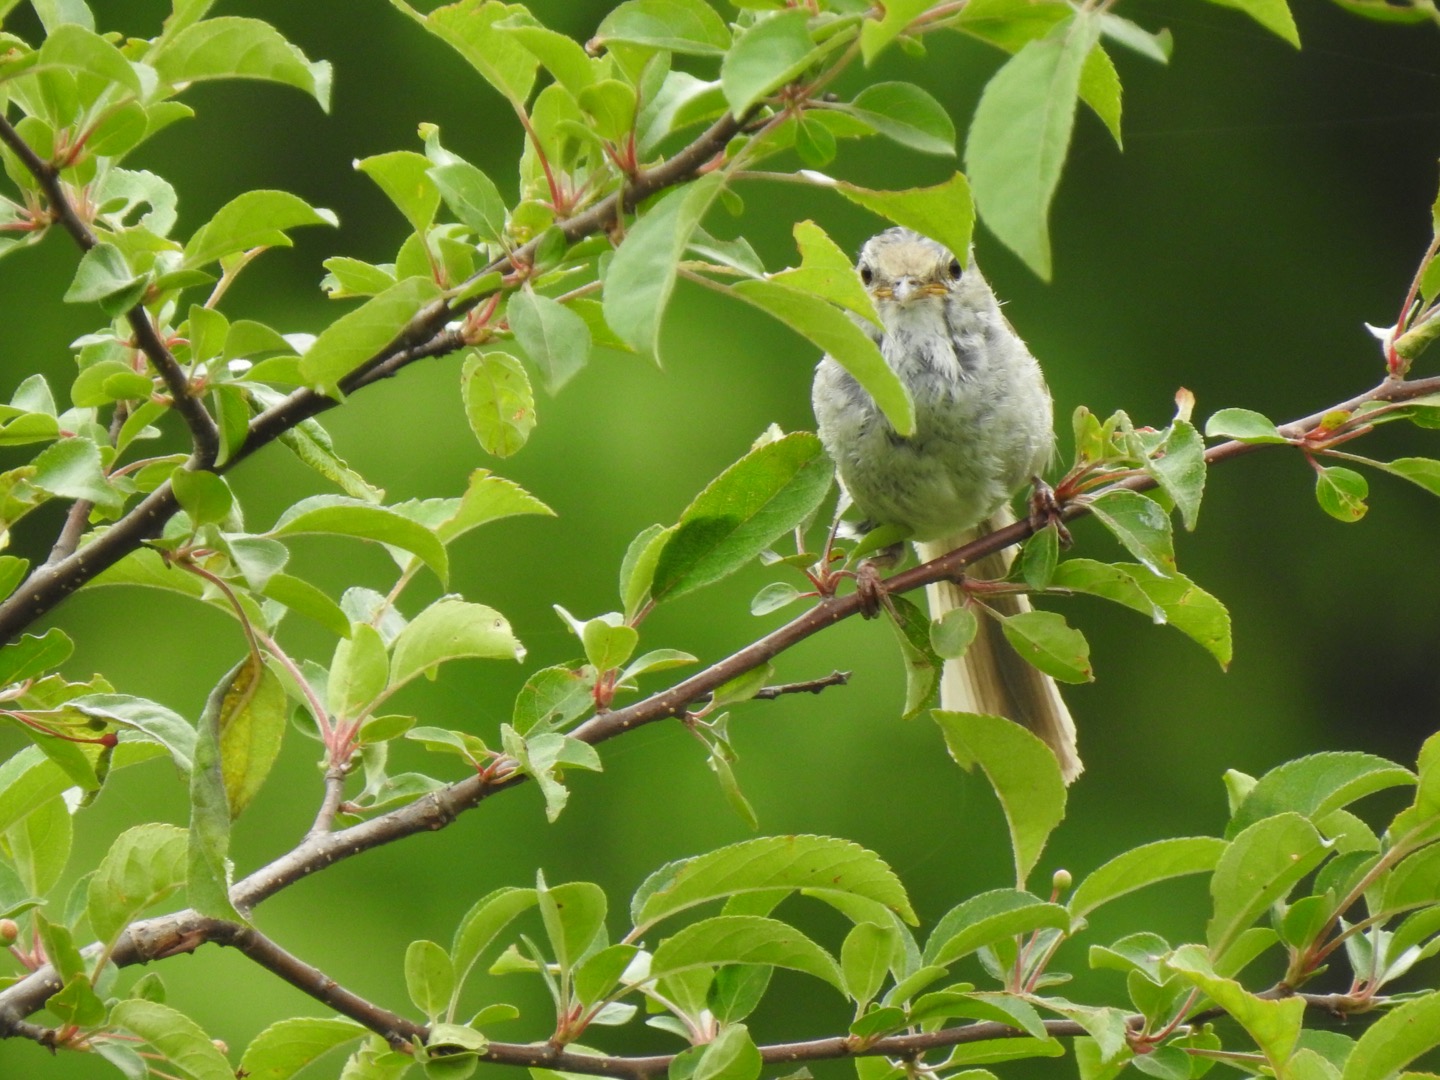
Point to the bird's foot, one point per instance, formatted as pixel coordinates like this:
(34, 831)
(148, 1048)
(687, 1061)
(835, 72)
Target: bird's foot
(870, 586)
(1046, 510)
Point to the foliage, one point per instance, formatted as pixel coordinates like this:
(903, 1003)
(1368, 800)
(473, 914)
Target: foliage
(633, 141)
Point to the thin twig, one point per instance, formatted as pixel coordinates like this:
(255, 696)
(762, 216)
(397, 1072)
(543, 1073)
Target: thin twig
(810, 686)
(203, 432)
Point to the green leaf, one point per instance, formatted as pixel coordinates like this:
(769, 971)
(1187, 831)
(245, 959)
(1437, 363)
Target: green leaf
(1145, 865)
(207, 498)
(637, 569)
(641, 275)
(1418, 470)
(179, 1040)
(945, 212)
(353, 278)
(1046, 640)
(744, 939)
(1341, 492)
(144, 865)
(1316, 785)
(208, 873)
(230, 47)
(1274, 1025)
(80, 48)
(865, 959)
(952, 633)
(1274, 15)
(1022, 770)
(562, 56)
(1141, 525)
(835, 332)
(767, 56)
(682, 26)
(610, 106)
(429, 977)
(1395, 1040)
(1187, 607)
(990, 917)
(472, 197)
(469, 27)
(253, 219)
(1178, 466)
(71, 469)
(1040, 557)
(731, 1055)
(554, 337)
(483, 923)
(1261, 866)
(358, 673)
(487, 498)
(33, 656)
(907, 114)
(104, 277)
(897, 15)
(360, 334)
(742, 512)
(287, 1046)
(498, 401)
(253, 717)
(827, 272)
(450, 629)
(403, 175)
(1243, 425)
(1021, 132)
(150, 721)
(38, 847)
(820, 865)
(923, 664)
(340, 515)
(574, 916)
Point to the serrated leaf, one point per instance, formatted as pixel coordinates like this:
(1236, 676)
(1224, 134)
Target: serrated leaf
(340, 515)
(827, 272)
(837, 334)
(1395, 1040)
(429, 977)
(472, 197)
(253, 717)
(1316, 785)
(250, 220)
(907, 114)
(744, 939)
(1261, 865)
(144, 865)
(179, 1040)
(1188, 608)
(1022, 770)
(1341, 492)
(498, 401)
(203, 495)
(1244, 425)
(1178, 466)
(556, 339)
(742, 512)
(483, 923)
(230, 47)
(450, 629)
(1145, 865)
(945, 212)
(895, 17)
(403, 175)
(765, 57)
(469, 27)
(1422, 471)
(1020, 135)
(1274, 15)
(574, 915)
(1046, 640)
(287, 1046)
(33, 655)
(641, 274)
(922, 663)
(360, 334)
(637, 569)
(682, 26)
(821, 865)
(1141, 526)
(987, 918)
(1274, 1025)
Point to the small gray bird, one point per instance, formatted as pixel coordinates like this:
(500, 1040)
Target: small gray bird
(983, 428)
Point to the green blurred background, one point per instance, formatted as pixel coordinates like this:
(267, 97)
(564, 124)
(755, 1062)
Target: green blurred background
(1268, 202)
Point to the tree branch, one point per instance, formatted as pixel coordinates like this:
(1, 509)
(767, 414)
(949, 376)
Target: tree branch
(439, 808)
(424, 336)
(203, 432)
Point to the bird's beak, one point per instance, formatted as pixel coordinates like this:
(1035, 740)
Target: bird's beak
(904, 290)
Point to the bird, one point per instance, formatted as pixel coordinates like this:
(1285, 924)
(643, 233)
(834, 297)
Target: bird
(984, 428)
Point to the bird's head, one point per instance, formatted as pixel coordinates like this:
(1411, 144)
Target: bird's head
(902, 267)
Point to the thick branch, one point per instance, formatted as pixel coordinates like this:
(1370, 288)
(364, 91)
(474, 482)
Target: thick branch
(202, 428)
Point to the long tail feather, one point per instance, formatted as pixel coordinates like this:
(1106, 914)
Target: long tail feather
(991, 677)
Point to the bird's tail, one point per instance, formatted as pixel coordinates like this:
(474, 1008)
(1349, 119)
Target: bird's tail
(991, 677)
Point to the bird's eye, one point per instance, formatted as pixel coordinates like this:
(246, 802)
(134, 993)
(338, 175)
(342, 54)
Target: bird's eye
(955, 269)
(866, 274)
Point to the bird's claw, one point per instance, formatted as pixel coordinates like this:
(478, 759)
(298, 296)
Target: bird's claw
(870, 588)
(1046, 510)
